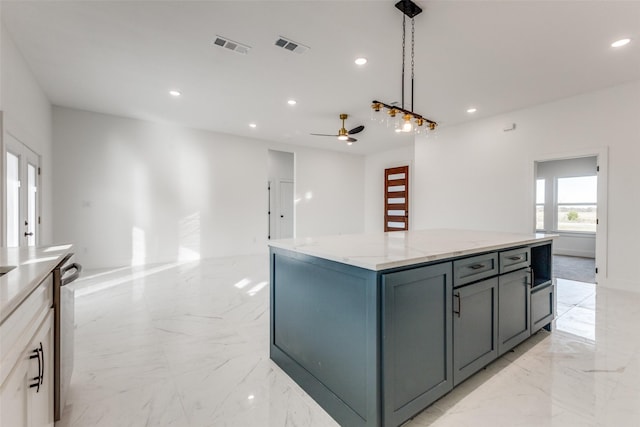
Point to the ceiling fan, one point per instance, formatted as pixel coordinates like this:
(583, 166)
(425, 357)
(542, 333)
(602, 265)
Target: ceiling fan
(343, 134)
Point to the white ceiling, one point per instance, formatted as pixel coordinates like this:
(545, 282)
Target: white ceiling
(123, 57)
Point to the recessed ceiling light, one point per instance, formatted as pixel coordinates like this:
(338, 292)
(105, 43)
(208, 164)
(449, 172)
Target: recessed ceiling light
(472, 110)
(175, 93)
(252, 125)
(361, 61)
(292, 102)
(620, 43)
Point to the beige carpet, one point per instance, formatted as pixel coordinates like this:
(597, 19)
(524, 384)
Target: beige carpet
(574, 268)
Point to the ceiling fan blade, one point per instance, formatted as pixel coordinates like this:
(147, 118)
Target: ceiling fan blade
(321, 134)
(351, 139)
(356, 129)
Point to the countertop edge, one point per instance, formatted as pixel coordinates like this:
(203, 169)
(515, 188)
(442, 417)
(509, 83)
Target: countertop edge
(313, 250)
(33, 280)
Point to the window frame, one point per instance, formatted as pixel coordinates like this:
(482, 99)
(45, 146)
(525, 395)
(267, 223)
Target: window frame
(557, 205)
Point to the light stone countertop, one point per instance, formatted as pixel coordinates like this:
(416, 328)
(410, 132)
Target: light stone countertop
(381, 251)
(33, 264)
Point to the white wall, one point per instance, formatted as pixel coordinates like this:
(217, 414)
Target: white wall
(27, 117)
(129, 191)
(477, 176)
(330, 193)
(375, 164)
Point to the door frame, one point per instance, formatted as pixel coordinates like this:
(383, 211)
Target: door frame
(602, 155)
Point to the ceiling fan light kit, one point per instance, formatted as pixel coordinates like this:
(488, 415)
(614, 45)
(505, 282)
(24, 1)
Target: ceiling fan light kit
(343, 134)
(404, 120)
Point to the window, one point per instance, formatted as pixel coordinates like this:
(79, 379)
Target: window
(577, 203)
(540, 204)
(13, 200)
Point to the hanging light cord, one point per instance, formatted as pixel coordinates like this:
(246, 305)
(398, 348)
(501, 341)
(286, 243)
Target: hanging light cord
(413, 43)
(404, 32)
(413, 48)
(410, 9)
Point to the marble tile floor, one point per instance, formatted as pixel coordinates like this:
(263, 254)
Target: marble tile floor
(187, 345)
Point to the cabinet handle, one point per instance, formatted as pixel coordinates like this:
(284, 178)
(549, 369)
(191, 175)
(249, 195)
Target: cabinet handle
(42, 356)
(36, 354)
(476, 266)
(457, 295)
(532, 278)
(68, 279)
(515, 258)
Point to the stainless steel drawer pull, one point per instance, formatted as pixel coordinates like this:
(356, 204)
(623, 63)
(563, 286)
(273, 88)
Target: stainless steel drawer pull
(70, 278)
(457, 295)
(476, 266)
(515, 258)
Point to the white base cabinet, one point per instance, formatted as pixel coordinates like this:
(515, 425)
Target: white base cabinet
(40, 394)
(26, 385)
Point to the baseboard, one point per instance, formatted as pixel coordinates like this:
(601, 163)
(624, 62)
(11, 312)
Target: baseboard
(569, 252)
(619, 284)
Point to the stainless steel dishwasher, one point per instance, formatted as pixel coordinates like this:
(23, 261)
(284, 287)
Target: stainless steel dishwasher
(64, 323)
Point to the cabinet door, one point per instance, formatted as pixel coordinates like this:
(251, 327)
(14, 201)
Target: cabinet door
(417, 340)
(543, 302)
(26, 397)
(513, 313)
(475, 328)
(40, 399)
(13, 396)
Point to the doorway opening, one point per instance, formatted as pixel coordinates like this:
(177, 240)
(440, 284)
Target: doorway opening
(281, 185)
(568, 203)
(22, 198)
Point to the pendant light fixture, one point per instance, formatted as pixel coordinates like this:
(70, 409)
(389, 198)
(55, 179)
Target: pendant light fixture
(404, 119)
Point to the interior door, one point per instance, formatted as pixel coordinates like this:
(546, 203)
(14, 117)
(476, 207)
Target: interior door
(285, 226)
(22, 180)
(396, 198)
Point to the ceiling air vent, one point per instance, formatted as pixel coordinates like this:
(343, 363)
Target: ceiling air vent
(291, 45)
(231, 45)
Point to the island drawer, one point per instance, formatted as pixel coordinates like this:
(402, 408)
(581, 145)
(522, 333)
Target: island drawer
(475, 268)
(514, 259)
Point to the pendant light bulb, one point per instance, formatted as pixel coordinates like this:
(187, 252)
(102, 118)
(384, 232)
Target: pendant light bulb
(407, 126)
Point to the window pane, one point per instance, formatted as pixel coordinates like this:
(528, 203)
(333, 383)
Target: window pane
(577, 218)
(13, 199)
(582, 189)
(540, 217)
(540, 191)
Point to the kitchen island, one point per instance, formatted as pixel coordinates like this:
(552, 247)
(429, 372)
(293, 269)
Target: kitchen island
(377, 327)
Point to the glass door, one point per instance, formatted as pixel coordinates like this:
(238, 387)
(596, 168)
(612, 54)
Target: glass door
(22, 204)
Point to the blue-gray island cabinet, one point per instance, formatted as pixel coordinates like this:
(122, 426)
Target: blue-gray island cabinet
(377, 327)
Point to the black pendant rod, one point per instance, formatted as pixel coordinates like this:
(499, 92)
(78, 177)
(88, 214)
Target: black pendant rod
(413, 30)
(404, 33)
